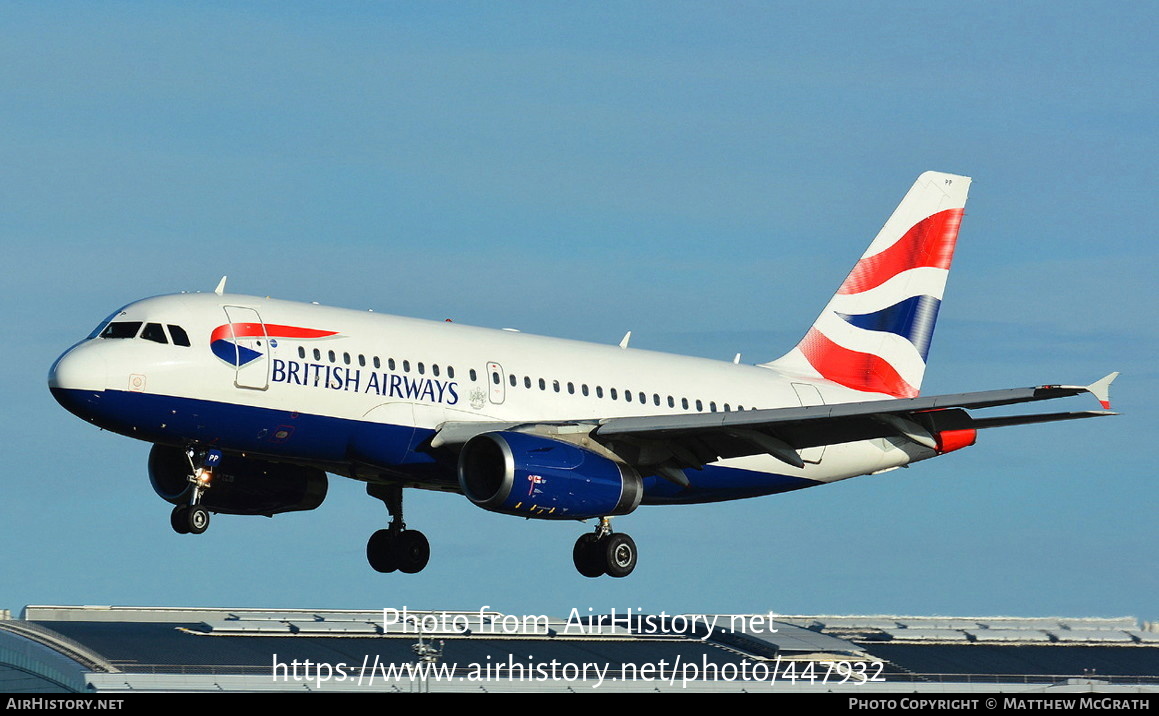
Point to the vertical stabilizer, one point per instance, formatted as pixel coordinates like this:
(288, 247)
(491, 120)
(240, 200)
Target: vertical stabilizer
(874, 335)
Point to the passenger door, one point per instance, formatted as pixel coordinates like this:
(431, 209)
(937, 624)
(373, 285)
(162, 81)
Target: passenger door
(252, 346)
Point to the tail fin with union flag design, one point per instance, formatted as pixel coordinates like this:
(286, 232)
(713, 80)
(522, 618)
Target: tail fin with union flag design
(874, 335)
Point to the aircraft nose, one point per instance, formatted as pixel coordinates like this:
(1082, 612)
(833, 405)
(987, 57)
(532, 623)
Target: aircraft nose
(77, 377)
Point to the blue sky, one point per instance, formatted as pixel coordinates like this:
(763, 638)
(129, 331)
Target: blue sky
(703, 174)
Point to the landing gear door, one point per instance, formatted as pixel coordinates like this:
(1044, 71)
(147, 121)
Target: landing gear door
(251, 347)
(809, 395)
(498, 391)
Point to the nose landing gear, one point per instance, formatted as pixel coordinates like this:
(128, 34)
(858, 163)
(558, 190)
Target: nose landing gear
(194, 518)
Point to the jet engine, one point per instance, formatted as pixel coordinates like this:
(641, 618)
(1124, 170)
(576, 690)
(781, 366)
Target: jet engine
(240, 485)
(534, 476)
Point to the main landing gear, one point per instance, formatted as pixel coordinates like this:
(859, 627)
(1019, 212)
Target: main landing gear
(194, 518)
(604, 552)
(396, 547)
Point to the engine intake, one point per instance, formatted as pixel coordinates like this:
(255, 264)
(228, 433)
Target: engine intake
(533, 476)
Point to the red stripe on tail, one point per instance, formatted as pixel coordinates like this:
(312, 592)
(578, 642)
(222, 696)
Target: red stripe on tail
(929, 243)
(853, 369)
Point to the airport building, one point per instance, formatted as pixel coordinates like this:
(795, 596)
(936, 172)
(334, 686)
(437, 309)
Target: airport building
(96, 650)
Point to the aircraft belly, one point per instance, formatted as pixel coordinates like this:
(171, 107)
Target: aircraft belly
(757, 475)
(717, 483)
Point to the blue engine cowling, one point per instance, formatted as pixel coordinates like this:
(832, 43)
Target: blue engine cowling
(533, 476)
(240, 486)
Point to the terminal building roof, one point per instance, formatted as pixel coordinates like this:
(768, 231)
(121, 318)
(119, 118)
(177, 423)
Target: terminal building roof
(107, 649)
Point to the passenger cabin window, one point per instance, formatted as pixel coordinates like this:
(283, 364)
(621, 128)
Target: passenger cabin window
(121, 329)
(179, 336)
(154, 332)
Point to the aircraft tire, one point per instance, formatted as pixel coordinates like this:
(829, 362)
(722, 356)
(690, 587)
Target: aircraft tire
(179, 520)
(380, 552)
(197, 518)
(619, 554)
(412, 551)
(588, 555)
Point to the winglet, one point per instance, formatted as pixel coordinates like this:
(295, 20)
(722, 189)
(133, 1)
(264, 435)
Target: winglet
(220, 286)
(1101, 389)
(624, 341)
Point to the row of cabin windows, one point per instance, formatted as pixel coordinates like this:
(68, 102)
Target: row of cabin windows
(377, 362)
(421, 368)
(151, 332)
(614, 394)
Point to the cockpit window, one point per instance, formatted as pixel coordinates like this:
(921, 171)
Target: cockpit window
(121, 329)
(103, 324)
(180, 337)
(154, 332)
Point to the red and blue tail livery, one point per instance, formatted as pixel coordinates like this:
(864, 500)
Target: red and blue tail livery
(526, 425)
(874, 335)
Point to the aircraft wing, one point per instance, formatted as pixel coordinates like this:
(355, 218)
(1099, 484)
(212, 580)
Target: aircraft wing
(693, 440)
(782, 431)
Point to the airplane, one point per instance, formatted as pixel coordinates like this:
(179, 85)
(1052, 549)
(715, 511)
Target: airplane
(250, 402)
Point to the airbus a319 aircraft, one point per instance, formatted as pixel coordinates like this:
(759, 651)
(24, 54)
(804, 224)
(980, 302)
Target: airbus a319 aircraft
(250, 402)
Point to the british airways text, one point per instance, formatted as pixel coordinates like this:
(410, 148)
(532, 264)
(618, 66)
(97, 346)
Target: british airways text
(336, 377)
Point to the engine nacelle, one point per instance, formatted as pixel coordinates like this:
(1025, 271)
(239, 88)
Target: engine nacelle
(533, 476)
(240, 486)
